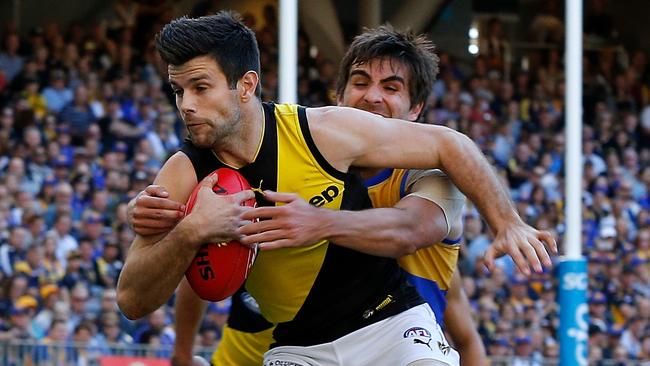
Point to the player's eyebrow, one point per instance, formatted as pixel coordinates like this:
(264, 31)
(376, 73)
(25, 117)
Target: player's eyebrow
(360, 73)
(198, 78)
(192, 80)
(389, 79)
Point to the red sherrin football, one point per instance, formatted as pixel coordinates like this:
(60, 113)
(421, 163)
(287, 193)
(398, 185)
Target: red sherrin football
(219, 269)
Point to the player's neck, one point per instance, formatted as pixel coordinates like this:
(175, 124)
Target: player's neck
(243, 147)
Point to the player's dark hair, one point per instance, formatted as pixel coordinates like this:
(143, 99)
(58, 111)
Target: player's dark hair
(415, 51)
(222, 36)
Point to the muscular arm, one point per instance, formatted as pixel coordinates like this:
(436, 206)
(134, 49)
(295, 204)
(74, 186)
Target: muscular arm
(155, 265)
(374, 141)
(411, 224)
(388, 232)
(461, 327)
(417, 220)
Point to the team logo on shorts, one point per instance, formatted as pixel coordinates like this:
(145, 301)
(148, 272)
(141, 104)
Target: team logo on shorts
(419, 335)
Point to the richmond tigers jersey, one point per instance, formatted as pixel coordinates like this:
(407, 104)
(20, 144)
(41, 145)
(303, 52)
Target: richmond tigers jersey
(429, 269)
(318, 293)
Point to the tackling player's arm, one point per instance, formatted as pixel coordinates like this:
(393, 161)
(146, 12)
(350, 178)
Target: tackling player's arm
(388, 232)
(461, 327)
(151, 212)
(155, 265)
(424, 216)
(375, 141)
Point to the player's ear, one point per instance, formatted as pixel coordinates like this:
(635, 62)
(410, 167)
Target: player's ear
(247, 84)
(415, 111)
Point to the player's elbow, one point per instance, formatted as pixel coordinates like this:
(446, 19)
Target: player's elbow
(128, 304)
(409, 240)
(419, 234)
(405, 249)
(454, 144)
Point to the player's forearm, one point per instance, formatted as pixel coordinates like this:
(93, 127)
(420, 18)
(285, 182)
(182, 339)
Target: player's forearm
(472, 353)
(470, 171)
(386, 232)
(189, 311)
(151, 273)
(461, 327)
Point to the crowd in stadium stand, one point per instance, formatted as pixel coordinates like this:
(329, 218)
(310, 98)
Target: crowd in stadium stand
(87, 119)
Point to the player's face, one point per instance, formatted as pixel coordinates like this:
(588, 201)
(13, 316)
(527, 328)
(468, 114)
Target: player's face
(380, 86)
(209, 108)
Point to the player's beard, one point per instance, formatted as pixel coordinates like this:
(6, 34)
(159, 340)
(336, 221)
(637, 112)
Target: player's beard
(220, 131)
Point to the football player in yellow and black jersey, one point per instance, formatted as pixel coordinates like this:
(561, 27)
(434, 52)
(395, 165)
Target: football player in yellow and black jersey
(322, 298)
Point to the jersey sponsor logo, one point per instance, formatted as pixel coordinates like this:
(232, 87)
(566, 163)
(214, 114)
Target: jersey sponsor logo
(326, 196)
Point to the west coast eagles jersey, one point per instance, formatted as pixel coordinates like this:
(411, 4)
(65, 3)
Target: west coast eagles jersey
(429, 269)
(318, 293)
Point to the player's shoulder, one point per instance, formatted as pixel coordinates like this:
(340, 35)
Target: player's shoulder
(333, 114)
(179, 160)
(178, 176)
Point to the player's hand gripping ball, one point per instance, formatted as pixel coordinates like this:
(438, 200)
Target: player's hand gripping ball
(219, 269)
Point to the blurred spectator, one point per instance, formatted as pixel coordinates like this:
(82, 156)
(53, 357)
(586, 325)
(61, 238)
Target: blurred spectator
(78, 115)
(524, 353)
(156, 326)
(53, 350)
(79, 296)
(109, 264)
(84, 334)
(547, 25)
(11, 63)
(13, 250)
(110, 334)
(494, 45)
(65, 242)
(49, 295)
(56, 94)
(599, 22)
(632, 335)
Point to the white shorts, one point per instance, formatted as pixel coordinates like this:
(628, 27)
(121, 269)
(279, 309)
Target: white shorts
(410, 336)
